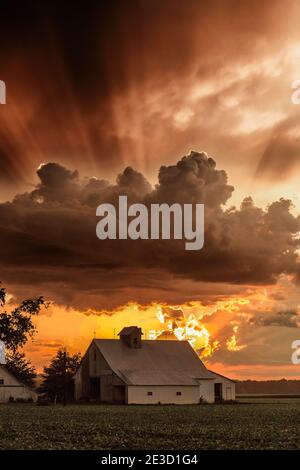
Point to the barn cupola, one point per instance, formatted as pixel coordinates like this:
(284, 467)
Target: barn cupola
(131, 336)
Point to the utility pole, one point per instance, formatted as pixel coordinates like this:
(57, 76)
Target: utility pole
(64, 378)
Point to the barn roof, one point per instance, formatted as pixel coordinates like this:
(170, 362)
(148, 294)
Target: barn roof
(222, 376)
(161, 362)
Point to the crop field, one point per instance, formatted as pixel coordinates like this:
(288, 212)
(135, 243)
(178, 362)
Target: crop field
(270, 425)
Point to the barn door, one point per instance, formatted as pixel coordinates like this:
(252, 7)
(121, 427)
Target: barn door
(95, 388)
(119, 394)
(218, 393)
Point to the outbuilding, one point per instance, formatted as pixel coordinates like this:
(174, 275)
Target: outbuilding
(224, 388)
(11, 389)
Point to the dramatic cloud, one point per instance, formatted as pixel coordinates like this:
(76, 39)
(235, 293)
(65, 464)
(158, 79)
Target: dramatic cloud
(117, 92)
(48, 238)
(193, 179)
(103, 86)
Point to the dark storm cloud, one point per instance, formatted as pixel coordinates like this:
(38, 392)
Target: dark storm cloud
(193, 179)
(171, 313)
(55, 176)
(287, 318)
(48, 239)
(57, 183)
(133, 182)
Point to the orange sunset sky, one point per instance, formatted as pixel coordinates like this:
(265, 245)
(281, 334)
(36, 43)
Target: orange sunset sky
(169, 101)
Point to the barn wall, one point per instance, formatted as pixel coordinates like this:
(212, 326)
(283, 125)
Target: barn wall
(78, 384)
(206, 390)
(164, 394)
(94, 366)
(97, 363)
(81, 380)
(13, 388)
(228, 387)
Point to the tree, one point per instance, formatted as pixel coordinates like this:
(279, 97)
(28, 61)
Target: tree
(57, 377)
(21, 368)
(16, 326)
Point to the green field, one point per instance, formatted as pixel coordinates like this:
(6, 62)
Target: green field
(241, 426)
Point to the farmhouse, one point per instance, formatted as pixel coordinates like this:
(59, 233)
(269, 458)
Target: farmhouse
(11, 388)
(131, 370)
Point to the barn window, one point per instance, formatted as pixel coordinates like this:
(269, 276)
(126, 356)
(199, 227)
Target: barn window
(1, 381)
(149, 393)
(178, 393)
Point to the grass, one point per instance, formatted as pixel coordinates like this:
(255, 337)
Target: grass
(240, 426)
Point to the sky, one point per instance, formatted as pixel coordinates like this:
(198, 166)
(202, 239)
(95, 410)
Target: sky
(166, 102)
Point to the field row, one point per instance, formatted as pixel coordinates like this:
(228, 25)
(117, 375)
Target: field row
(240, 426)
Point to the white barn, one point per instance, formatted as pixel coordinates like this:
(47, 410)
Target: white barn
(10, 387)
(135, 371)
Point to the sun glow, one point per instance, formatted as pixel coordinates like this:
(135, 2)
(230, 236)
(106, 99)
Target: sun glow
(232, 344)
(219, 327)
(185, 329)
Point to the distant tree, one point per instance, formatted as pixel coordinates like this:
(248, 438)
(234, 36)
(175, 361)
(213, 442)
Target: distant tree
(16, 326)
(21, 368)
(58, 376)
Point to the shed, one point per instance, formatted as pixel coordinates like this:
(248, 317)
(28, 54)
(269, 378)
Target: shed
(224, 387)
(12, 388)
